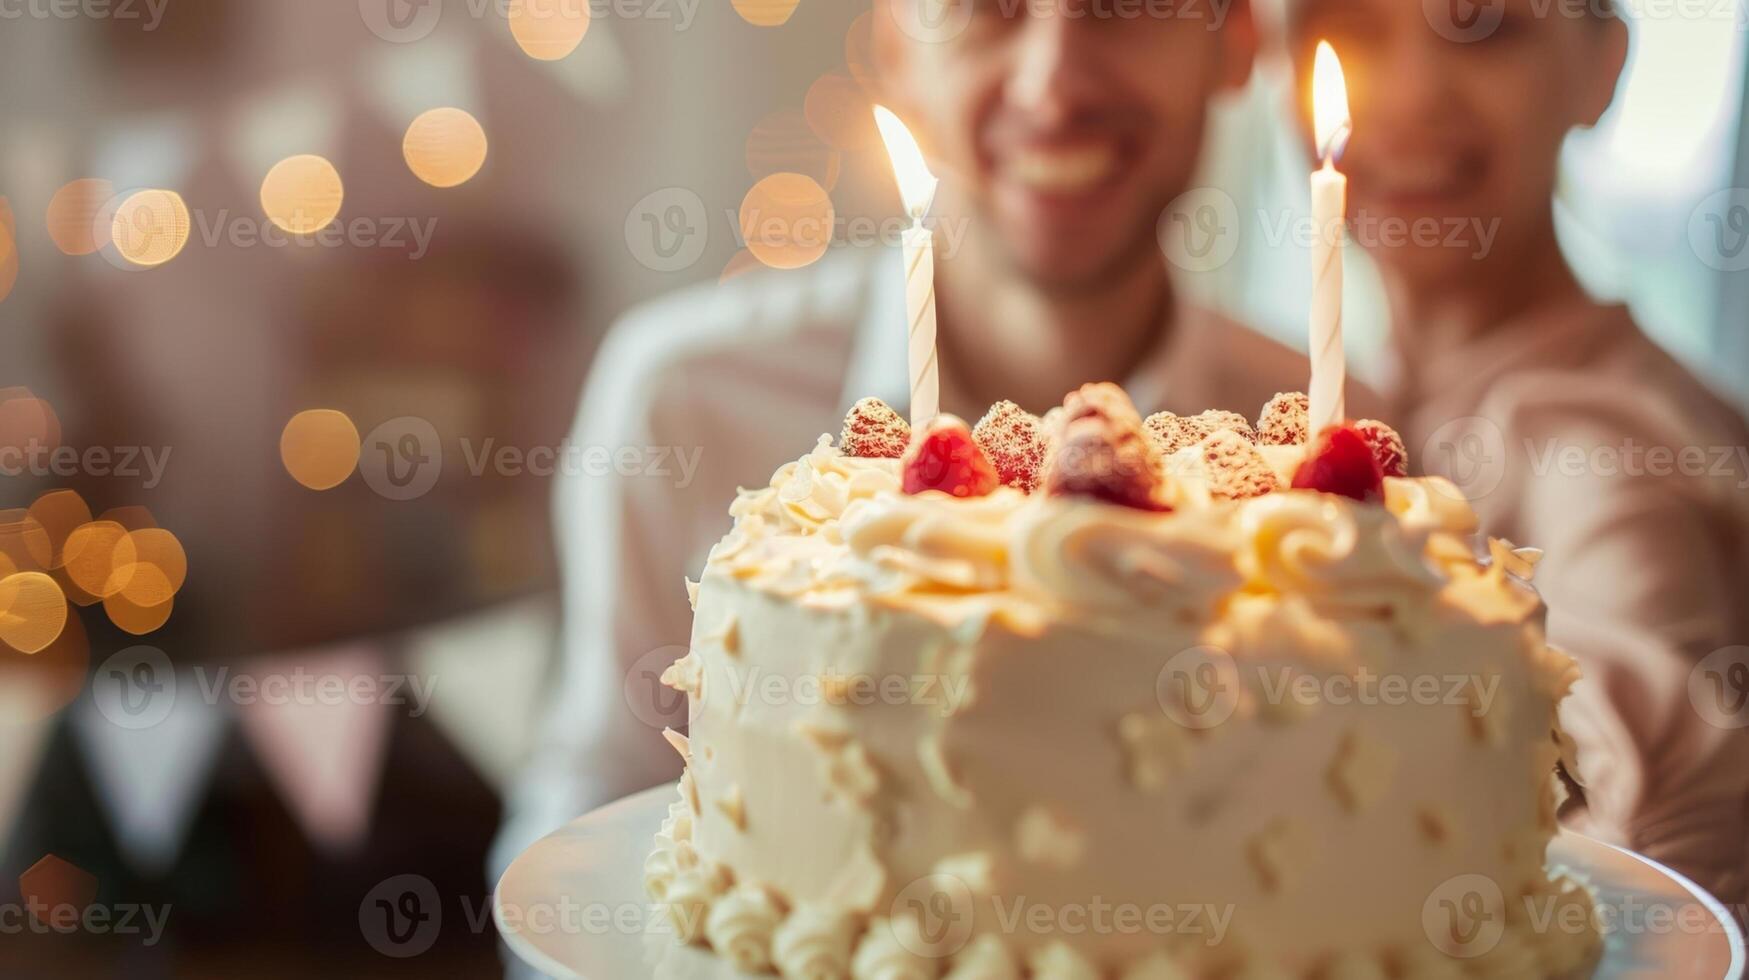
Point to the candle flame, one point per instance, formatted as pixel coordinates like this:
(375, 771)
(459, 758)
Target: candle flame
(916, 183)
(1331, 122)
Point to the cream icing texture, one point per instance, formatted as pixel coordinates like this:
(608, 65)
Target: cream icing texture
(939, 737)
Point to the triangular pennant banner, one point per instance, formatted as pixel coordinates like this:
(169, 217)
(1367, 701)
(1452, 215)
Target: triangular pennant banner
(319, 724)
(485, 675)
(150, 740)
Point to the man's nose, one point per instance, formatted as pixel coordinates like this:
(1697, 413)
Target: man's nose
(1056, 69)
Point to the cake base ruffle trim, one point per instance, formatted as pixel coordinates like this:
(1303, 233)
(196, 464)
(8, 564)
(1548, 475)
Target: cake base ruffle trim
(1549, 931)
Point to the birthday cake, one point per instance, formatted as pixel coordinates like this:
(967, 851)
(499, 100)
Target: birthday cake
(1097, 696)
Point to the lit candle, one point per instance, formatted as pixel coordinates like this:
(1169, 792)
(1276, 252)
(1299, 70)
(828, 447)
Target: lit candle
(1332, 125)
(917, 190)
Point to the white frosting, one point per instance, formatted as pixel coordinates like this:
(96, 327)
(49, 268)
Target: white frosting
(814, 943)
(741, 925)
(1031, 731)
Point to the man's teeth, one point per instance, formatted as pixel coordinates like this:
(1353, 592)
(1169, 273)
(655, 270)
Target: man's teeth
(1062, 170)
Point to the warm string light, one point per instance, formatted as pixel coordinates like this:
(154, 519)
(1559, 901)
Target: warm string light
(302, 194)
(548, 30)
(765, 13)
(320, 448)
(787, 221)
(445, 147)
(150, 227)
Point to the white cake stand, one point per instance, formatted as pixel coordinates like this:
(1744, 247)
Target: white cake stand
(573, 906)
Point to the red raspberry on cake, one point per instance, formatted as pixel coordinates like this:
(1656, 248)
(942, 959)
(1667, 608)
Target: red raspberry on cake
(1234, 468)
(1387, 446)
(873, 430)
(1341, 462)
(1100, 452)
(945, 457)
(1014, 440)
(1285, 420)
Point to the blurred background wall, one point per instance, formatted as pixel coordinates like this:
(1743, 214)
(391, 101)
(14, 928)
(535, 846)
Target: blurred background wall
(297, 526)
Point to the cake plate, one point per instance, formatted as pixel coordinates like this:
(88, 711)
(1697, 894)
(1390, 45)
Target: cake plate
(573, 906)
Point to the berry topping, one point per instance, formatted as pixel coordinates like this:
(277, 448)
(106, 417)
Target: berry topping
(1341, 462)
(945, 457)
(1100, 452)
(1104, 400)
(1234, 468)
(1219, 421)
(1170, 433)
(873, 430)
(1387, 446)
(1014, 440)
(1285, 420)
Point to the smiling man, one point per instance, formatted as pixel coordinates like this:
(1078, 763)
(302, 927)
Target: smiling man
(1061, 131)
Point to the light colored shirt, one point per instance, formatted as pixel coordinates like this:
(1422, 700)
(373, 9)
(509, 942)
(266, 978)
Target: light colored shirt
(1575, 434)
(741, 378)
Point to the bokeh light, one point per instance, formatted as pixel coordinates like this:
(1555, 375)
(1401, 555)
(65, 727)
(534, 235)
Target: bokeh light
(58, 513)
(53, 884)
(74, 216)
(787, 221)
(150, 227)
(548, 30)
(27, 422)
(95, 552)
(33, 611)
(766, 13)
(319, 448)
(161, 550)
(141, 618)
(841, 112)
(302, 195)
(445, 147)
(859, 49)
(22, 539)
(784, 142)
(8, 251)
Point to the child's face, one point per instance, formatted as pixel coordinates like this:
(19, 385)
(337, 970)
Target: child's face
(1065, 126)
(1460, 109)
